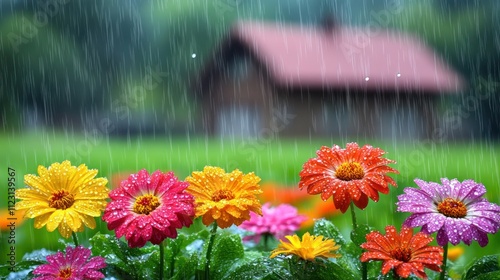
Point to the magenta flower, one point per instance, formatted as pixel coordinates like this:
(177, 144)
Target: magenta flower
(149, 208)
(456, 210)
(277, 221)
(75, 264)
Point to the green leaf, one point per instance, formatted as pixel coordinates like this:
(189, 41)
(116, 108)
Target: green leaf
(483, 266)
(255, 266)
(319, 269)
(28, 263)
(39, 256)
(328, 230)
(185, 267)
(349, 251)
(358, 234)
(115, 253)
(495, 275)
(227, 250)
(23, 265)
(183, 254)
(4, 270)
(22, 268)
(146, 260)
(333, 271)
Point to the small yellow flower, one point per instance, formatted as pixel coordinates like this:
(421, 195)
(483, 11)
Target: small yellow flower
(64, 197)
(455, 252)
(310, 248)
(226, 198)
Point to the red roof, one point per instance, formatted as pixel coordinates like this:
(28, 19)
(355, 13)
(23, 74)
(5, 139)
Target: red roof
(298, 56)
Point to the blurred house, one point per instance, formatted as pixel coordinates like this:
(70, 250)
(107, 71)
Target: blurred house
(268, 79)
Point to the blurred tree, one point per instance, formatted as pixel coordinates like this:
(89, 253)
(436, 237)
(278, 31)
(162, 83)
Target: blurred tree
(43, 78)
(72, 60)
(467, 34)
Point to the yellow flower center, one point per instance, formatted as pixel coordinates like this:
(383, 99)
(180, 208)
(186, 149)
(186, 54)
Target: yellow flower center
(65, 273)
(452, 208)
(61, 200)
(222, 194)
(401, 254)
(145, 204)
(348, 171)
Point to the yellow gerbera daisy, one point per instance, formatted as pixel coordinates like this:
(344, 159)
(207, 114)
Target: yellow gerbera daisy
(226, 198)
(64, 197)
(310, 248)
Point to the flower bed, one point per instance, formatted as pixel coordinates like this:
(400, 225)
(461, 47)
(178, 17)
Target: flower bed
(148, 209)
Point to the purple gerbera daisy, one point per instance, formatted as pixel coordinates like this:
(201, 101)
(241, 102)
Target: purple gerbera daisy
(75, 264)
(277, 221)
(456, 210)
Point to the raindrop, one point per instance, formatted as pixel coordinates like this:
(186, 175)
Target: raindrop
(193, 55)
(398, 75)
(367, 78)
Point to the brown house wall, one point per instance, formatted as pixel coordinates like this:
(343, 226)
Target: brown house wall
(253, 91)
(342, 113)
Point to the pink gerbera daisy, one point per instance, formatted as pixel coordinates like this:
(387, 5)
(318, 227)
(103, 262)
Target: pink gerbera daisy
(276, 221)
(75, 264)
(149, 208)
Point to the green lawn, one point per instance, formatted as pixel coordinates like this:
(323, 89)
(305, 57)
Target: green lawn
(271, 159)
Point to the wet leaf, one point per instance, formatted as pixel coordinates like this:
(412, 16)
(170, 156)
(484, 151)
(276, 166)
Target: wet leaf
(328, 230)
(358, 234)
(486, 265)
(256, 266)
(227, 250)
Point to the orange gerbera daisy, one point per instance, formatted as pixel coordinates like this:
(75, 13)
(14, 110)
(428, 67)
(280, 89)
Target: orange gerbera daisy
(351, 174)
(226, 198)
(278, 194)
(404, 252)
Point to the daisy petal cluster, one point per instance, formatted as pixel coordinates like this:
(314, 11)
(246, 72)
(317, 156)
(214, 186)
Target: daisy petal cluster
(309, 248)
(277, 221)
(63, 196)
(226, 198)
(404, 252)
(149, 208)
(74, 264)
(456, 210)
(351, 174)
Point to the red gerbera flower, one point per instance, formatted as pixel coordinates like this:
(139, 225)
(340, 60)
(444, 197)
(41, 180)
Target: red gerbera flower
(350, 174)
(404, 252)
(149, 208)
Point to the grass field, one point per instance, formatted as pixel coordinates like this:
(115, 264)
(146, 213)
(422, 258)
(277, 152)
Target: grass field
(273, 160)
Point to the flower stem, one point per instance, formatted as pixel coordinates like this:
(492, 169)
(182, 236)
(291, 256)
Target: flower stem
(213, 231)
(353, 215)
(364, 268)
(75, 239)
(162, 259)
(266, 241)
(395, 276)
(172, 268)
(445, 259)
